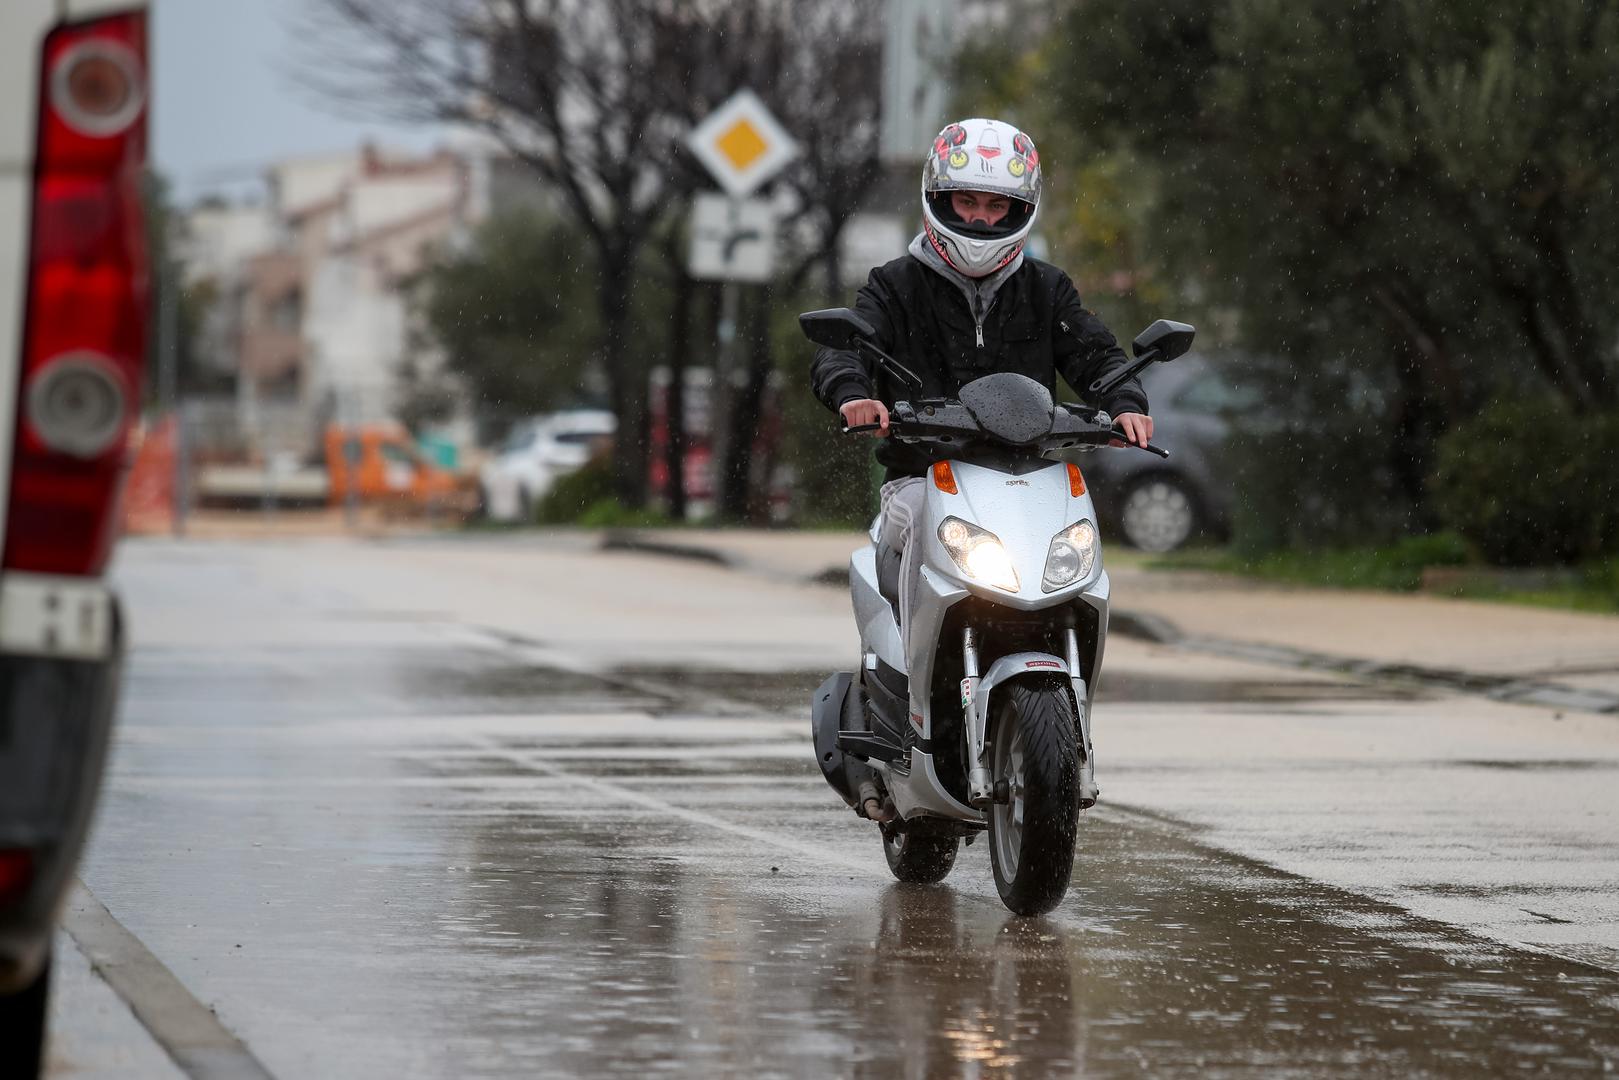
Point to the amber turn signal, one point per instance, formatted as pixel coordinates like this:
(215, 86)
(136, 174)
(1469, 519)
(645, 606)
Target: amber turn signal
(1076, 481)
(944, 479)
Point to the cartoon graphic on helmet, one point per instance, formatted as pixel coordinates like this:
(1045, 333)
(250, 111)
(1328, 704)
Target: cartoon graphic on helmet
(988, 156)
(1023, 146)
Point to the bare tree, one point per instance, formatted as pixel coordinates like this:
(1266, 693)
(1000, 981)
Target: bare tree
(595, 96)
(577, 91)
(818, 69)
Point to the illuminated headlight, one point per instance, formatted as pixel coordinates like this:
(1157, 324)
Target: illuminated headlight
(979, 553)
(1072, 557)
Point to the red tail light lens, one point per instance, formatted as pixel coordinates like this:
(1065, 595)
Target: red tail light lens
(97, 86)
(16, 874)
(84, 345)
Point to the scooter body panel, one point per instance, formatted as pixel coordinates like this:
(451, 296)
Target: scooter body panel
(1025, 511)
(879, 633)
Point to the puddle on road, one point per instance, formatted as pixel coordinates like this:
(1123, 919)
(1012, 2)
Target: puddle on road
(772, 691)
(627, 930)
(1128, 686)
(495, 920)
(790, 691)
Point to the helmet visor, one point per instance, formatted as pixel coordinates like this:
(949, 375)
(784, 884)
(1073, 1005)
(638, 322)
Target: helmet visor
(1016, 218)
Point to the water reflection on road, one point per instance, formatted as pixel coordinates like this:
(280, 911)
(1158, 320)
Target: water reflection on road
(440, 874)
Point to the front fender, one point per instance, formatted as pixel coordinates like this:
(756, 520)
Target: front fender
(1013, 666)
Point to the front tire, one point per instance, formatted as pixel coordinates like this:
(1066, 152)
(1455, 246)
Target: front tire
(22, 1025)
(918, 857)
(1035, 753)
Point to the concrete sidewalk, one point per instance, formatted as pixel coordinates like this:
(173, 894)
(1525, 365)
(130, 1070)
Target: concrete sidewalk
(1504, 651)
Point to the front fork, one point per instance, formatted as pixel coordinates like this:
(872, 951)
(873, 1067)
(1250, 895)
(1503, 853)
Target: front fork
(980, 784)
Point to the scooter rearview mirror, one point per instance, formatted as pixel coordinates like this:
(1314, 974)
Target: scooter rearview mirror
(1169, 339)
(836, 328)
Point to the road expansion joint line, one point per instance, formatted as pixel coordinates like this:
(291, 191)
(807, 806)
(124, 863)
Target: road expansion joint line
(540, 654)
(186, 1029)
(531, 760)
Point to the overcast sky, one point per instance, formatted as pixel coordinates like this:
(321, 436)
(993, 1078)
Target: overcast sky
(223, 105)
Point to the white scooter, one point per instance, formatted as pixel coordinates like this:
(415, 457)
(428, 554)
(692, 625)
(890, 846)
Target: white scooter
(977, 715)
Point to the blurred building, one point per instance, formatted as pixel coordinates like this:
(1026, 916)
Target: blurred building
(310, 290)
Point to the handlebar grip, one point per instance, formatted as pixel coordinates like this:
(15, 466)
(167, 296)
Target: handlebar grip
(1128, 445)
(861, 428)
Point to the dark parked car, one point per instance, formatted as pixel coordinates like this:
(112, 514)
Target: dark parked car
(1158, 505)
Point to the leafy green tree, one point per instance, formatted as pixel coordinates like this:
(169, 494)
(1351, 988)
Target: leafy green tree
(1410, 201)
(177, 311)
(513, 314)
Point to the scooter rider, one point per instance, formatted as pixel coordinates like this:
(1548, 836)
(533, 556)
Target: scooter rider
(966, 302)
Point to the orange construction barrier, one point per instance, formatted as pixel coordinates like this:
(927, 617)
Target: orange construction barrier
(149, 488)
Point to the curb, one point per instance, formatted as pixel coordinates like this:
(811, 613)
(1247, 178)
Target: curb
(628, 540)
(1157, 630)
(1144, 626)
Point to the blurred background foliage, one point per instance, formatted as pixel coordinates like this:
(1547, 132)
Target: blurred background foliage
(1395, 219)
(1399, 212)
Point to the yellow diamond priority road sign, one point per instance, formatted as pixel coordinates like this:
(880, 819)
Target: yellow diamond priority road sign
(741, 144)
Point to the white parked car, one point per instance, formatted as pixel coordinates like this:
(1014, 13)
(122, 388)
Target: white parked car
(538, 453)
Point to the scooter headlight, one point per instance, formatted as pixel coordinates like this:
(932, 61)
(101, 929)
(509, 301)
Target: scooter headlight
(979, 553)
(1072, 557)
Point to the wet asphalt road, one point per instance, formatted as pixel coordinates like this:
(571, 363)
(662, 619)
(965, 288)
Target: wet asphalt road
(397, 843)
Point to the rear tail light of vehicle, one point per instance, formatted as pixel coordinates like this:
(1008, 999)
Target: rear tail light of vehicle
(16, 874)
(84, 338)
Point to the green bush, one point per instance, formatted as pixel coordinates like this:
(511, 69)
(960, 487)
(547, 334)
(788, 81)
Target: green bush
(572, 495)
(1530, 483)
(612, 514)
(587, 498)
(1397, 566)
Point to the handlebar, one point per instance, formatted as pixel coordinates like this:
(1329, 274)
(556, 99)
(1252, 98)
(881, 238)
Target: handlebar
(897, 424)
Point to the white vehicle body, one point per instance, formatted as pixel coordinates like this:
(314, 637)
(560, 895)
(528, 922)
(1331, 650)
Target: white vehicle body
(73, 311)
(537, 454)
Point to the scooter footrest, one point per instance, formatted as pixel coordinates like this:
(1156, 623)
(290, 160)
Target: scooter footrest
(865, 746)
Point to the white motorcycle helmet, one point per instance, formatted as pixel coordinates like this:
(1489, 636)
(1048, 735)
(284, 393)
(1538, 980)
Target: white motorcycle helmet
(980, 155)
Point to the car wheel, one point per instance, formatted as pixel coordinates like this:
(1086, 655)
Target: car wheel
(1158, 514)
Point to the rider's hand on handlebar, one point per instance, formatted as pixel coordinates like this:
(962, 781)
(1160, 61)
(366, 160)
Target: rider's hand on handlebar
(865, 411)
(1136, 425)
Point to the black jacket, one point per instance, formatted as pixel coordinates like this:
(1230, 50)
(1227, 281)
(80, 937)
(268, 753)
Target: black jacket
(925, 322)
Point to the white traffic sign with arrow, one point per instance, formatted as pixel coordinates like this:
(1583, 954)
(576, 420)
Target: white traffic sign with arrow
(732, 239)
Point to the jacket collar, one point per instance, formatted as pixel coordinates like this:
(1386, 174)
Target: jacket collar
(980, 292)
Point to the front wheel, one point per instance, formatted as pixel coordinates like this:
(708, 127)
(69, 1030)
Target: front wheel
(1035, 755)
(917, 856)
